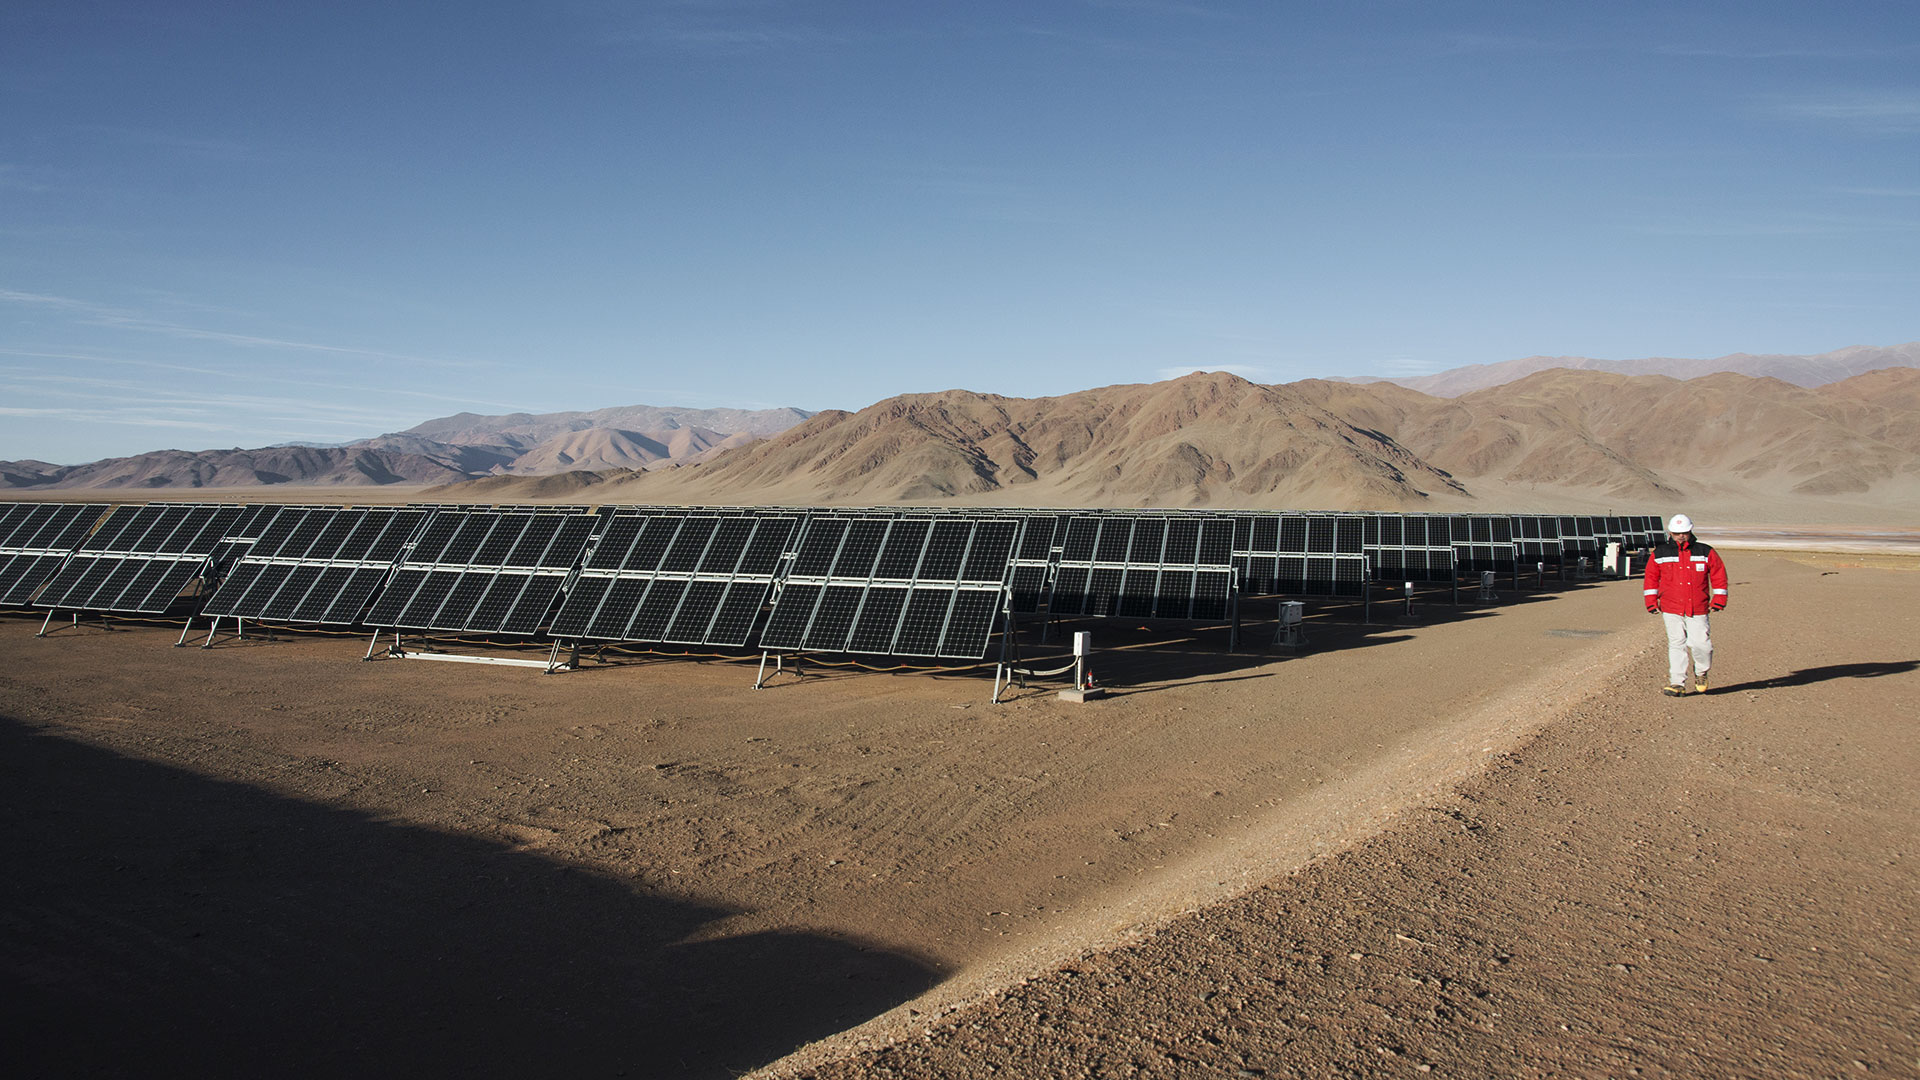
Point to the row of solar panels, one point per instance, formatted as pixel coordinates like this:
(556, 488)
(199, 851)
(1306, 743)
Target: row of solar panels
(902, 581)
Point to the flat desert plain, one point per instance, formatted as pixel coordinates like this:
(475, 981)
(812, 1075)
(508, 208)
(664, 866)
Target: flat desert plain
(1472, 840)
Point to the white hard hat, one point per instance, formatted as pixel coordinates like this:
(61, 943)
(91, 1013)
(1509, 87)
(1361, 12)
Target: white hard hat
(1681, 523)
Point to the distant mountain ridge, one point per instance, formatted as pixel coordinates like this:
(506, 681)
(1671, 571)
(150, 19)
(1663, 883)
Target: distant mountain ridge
(446, 450)
(1800, 370)
(1737, 444)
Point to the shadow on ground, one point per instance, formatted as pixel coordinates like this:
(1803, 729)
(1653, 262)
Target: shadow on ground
(157, 922)
(1808, 676)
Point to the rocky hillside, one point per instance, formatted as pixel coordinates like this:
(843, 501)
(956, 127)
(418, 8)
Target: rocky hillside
(1800, 370)
(444, 451)
(1745, 446)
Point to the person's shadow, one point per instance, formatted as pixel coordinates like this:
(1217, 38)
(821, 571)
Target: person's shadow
(1806, 676)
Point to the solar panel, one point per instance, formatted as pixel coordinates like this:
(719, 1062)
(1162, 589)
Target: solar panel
(1296, 554)
(36, 539)
(485, 570)
(670, 575)
(897, 585)
(1143, 566)
(141, 558)
(315, 564)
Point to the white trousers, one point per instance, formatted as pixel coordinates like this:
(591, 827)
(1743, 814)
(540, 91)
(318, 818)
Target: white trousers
(1687, 634)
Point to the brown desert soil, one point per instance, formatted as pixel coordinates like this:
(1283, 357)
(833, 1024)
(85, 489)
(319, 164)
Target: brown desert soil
(1472, 841)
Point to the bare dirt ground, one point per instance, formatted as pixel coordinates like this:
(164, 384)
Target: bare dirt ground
(1431, 841)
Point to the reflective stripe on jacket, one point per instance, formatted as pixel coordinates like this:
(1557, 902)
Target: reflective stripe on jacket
(1686, 579)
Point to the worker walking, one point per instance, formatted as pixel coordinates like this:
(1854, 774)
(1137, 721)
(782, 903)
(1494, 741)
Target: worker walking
(1685, 581)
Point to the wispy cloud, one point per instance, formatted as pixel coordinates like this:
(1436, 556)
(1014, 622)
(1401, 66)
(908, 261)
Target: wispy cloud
(1785, 227)
(723, 28)
(121, 318)
(1885, 112)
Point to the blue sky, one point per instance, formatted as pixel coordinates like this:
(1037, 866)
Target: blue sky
(240, 224)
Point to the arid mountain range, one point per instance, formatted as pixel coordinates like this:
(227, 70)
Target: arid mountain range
(1738, 447)
(1748, 448)
(442, 451)
(1799, 370)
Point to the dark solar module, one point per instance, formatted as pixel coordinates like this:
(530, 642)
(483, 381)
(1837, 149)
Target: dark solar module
(656, 611)
(1183, 541)
(689, 544)
(792, 610)
(310, 523)
(1137, 590)
(1082, 534)
(1103, 591)
(1173, 594)
(25, 574)
(1266, 534)
(879, 618)
(425, 603)
(728, 544)
(1211, 590)
(769, 542)
(861, 550)
(535, 597)
(901, 554)
(1320, 536)
(400, 529)
(818, 546)
(992, 547)
(615, 542)
(395, 597)
(1293, 535)
(1036, 538)
(738, 610)
(249, 596)
(697, 610)
(1029, 585)
(1070, 590)
(466, 541)
(1216, 543)
(299, 583)
(503, 591)
(456, 611)
(326, 589)
(340, 525)
(946, 550)
(576, 612)
(106, 595)
(618, 608)
(1348, 538)
(833, 618)
(1149, 538)
(1111, 547)
(970, 625)
(921, 625)
(440, 529)
(500, 541)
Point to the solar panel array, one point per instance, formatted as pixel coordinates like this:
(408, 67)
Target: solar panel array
(141, 558)
(670, 576)
(1292, 554)
(1536, 539)
(316, 564)
(1483, 542)
(1145, 566)
(1030, 573)
(1409, 547)
(36, 539)
(484, 571)
(901, 586)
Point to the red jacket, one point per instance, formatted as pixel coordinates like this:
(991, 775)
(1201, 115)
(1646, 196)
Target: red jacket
(1687, 578)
